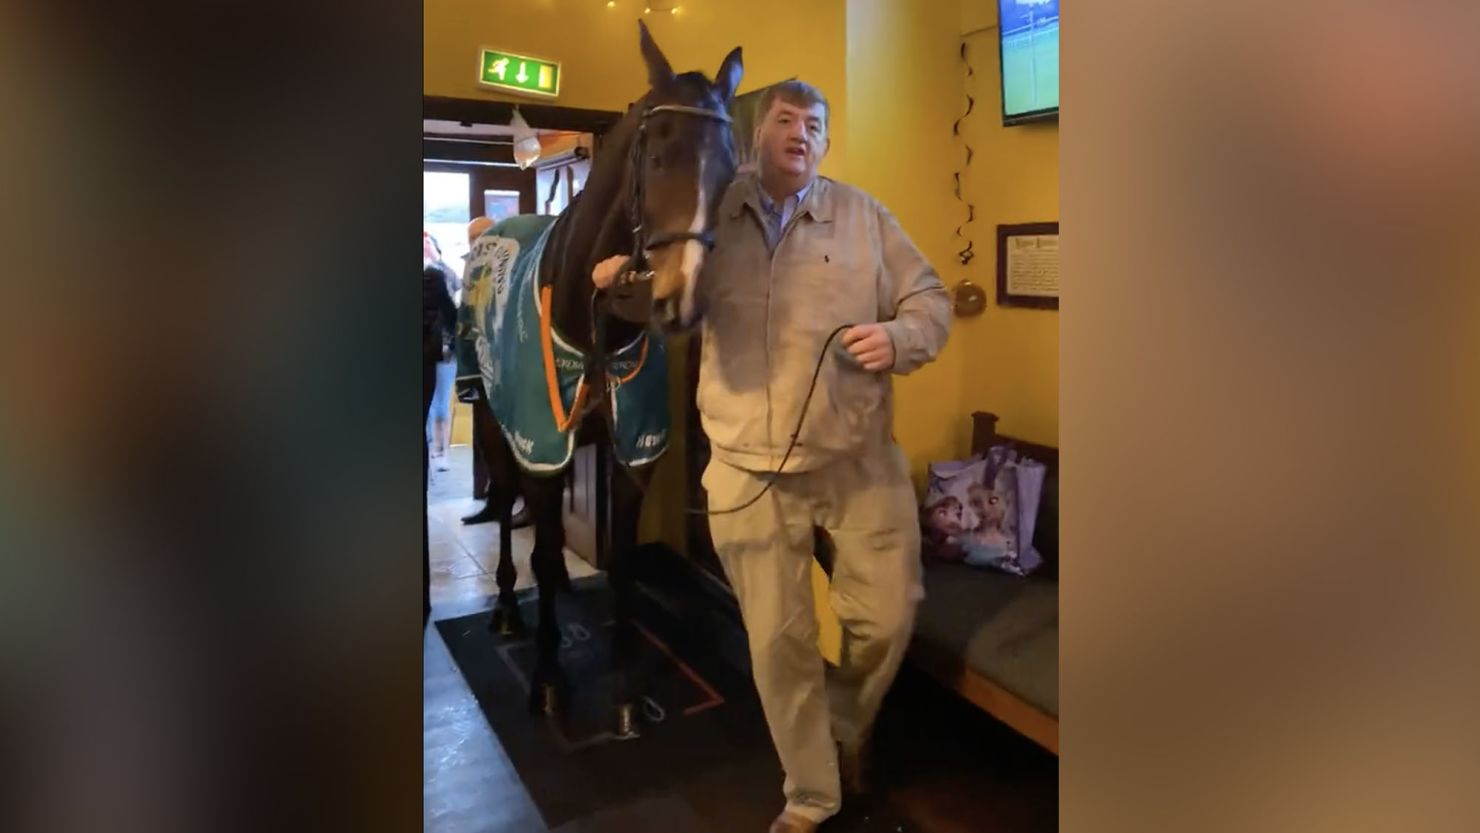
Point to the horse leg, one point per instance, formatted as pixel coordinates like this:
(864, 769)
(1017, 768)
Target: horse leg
(543, 495)
(503, 487)
(506, 620)
(627, 489)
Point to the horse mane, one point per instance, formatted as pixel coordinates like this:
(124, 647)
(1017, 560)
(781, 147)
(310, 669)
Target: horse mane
(594, 226)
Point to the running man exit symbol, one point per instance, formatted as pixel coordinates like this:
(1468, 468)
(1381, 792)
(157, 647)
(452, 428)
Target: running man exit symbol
(519, 74)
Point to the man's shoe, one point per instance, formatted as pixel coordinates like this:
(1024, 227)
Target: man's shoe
(792, 823)
(520, 520)
(482, 516)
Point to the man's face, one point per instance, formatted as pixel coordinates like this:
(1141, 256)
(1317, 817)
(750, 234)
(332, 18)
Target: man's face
(793, 139)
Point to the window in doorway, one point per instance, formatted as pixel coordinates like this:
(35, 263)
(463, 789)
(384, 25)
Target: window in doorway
(444, 212)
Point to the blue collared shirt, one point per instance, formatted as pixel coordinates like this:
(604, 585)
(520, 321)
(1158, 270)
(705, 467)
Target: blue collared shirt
(776, 217)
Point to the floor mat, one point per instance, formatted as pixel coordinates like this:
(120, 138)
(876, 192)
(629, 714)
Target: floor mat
(692, 711)
(705, 761)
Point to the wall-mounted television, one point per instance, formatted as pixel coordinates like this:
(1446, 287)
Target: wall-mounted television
(1028, 47)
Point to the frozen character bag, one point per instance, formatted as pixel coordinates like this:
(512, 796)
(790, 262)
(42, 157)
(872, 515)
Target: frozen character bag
(983, 511)
(946, 516)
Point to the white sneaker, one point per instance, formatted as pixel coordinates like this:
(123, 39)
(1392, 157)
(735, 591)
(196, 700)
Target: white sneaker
(440, 463)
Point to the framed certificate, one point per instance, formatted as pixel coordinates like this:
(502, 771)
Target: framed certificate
(1028, 265)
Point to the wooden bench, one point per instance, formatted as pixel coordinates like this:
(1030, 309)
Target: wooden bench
(993, 637)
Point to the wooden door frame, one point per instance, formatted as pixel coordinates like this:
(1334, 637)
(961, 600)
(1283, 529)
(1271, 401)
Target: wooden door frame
(539, 116)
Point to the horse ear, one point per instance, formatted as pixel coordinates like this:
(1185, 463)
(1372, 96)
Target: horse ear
(659, 72)
(728, 78)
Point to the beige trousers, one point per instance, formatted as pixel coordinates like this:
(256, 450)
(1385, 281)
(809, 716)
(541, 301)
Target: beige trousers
(867, 505)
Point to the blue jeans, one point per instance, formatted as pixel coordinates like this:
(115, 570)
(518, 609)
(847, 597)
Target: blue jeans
(441, 409)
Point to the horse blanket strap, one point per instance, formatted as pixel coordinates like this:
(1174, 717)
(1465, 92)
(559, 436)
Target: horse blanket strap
(535, 380)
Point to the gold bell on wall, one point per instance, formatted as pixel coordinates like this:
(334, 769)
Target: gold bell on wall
(969, 298)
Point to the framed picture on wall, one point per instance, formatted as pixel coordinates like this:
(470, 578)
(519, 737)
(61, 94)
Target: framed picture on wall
(1028, 265)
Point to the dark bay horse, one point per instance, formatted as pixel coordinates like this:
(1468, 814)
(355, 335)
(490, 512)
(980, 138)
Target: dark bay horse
(653, 192)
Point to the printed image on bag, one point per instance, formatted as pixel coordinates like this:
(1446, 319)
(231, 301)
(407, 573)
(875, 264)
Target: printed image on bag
(982, 511)
(945, 519)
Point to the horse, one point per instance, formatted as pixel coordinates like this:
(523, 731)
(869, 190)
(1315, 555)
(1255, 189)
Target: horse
(557, 359)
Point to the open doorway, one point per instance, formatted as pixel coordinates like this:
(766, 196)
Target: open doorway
(469, 171)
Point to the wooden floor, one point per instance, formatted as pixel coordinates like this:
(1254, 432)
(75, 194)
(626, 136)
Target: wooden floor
(957, 769)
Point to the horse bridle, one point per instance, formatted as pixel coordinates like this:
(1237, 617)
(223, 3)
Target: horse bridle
(641, 242)
(629, 274)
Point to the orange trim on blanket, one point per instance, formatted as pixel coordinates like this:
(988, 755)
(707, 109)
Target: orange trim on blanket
(641, 360)
(563, 420)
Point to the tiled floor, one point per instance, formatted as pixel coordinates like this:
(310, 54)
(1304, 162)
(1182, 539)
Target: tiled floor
(469, 785)
(463, 558)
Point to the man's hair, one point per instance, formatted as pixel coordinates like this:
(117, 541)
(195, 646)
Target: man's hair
(798, 93)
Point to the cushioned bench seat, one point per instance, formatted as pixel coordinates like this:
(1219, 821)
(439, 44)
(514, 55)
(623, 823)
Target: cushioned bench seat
(993, 637)
(1003, 628)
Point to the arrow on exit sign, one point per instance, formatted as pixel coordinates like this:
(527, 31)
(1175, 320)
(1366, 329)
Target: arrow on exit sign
(519, 73)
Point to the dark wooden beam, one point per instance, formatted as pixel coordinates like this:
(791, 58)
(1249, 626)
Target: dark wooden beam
(539, 116)
(452, 151)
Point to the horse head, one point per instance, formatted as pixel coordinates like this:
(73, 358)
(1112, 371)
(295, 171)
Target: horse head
(683, 160)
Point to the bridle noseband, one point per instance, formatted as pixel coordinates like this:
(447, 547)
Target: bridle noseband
(641, 242)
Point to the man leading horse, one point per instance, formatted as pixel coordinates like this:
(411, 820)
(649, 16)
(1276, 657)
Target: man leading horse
(797, 258)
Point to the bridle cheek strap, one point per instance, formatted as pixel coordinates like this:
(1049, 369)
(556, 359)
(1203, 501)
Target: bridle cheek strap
(641, 242)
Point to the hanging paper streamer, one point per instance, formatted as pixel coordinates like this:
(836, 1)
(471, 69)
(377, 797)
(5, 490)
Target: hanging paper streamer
(966, 254)
(526, 141)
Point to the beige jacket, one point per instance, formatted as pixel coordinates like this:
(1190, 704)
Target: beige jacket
(842, 259)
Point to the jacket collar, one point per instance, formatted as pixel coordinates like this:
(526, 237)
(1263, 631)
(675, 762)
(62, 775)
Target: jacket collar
(746, 191)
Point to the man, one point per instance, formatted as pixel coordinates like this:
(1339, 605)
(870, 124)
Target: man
(439, 419)
(484, 425)
(796, 256)
(438, 320)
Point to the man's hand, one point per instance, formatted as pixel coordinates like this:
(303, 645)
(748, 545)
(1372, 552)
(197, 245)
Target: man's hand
(605, 273)
(871, 345)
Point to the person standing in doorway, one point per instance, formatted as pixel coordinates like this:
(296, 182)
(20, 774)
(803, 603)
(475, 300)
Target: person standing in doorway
(484, 425)
(438, 324)
(797, 256)
(439, 423)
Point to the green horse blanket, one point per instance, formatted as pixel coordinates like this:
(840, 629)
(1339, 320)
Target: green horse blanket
(534, 378)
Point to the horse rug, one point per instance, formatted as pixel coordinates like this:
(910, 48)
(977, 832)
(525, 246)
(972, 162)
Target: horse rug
(534, 378)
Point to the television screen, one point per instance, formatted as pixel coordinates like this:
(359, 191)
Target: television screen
(1030, 59)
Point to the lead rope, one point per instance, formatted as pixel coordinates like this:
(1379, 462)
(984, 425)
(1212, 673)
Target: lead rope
(639, 248)
(772, 477)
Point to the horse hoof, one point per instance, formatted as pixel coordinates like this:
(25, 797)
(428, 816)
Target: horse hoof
(626, 723)
(545, 700)
(506, 621)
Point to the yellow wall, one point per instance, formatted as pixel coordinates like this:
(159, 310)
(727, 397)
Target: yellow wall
(901, 150)
(597, 46)
(1013, 178)
(904, 92)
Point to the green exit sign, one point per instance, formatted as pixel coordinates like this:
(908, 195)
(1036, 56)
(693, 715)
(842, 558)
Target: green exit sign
(519, 73)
